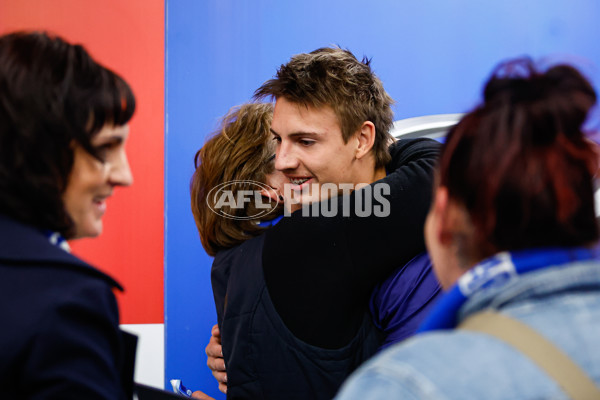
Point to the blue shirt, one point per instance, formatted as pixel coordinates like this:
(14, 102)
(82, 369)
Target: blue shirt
(400, 303)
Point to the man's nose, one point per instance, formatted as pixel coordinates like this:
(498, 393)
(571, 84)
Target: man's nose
(285, 158)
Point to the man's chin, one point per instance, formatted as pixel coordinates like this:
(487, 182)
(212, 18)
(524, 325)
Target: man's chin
(308, 194)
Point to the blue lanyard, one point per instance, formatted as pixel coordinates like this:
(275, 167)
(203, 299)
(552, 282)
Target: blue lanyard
(494, 272)
(268, 224)
(57, 239)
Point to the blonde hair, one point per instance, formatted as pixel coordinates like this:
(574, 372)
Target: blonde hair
(238, 151)
(334, 77)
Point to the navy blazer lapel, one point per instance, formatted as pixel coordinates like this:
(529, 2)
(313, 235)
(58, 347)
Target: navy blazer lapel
(25, 244)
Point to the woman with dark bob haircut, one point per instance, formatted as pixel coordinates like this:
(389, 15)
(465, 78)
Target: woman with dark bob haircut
(63, 127)
(513, 238)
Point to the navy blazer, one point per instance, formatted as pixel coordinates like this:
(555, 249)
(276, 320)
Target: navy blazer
(60, 337)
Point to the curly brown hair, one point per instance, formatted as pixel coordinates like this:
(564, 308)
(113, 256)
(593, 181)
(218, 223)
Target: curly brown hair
(237, 153)
(333, 77)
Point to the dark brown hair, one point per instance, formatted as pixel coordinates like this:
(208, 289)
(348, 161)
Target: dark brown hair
(52, 95)
(520, 162)
(238, 152)
(334, 77)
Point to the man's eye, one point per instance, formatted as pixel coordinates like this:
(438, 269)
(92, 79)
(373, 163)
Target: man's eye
(277, 139)
(306, 143)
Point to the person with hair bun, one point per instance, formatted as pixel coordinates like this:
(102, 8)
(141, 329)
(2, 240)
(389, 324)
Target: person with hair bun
(513, 238)
(63, 127)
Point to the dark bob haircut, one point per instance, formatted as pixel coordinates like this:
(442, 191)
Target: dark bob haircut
(520, 162)
(52, 95)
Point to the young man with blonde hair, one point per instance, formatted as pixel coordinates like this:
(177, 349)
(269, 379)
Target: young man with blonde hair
(331, 124)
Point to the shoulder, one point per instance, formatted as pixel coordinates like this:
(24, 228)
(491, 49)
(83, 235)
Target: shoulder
(44, 286)
(41, 292)
(413, 160)
(56, 310)
(26, 251)
(251, 246)
(63, 316)
(41, 279)
(243, 260)
(446, 365)
(400, 302)
(406, 150)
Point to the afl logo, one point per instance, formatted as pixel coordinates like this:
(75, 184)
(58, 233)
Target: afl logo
(226, 198)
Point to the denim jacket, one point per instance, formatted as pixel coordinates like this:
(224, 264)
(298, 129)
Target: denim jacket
(562, 303)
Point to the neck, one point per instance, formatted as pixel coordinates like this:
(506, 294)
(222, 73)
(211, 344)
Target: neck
(378, 174)
(365, 171)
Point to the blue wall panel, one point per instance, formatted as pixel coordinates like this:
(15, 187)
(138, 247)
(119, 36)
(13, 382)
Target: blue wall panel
(432, 56)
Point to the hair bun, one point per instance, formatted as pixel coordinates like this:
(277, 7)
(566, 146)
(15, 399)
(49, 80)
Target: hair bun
(577, 93)
(554, 102)
(512, 82)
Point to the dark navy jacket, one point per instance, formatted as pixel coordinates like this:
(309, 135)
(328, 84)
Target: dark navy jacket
(300, 338)
(60, 336)
(264, 359)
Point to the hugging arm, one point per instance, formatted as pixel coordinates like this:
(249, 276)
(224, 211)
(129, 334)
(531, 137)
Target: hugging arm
(326, 267)
(381, 244)
(214, 358)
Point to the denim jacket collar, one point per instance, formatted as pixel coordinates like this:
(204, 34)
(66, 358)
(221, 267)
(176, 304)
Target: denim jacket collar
(576, 276)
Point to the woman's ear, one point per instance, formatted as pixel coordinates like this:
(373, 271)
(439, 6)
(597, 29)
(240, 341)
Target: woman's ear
(447, 230)
(272, 195)
(452, 216)
(439, 210)
(366, 139)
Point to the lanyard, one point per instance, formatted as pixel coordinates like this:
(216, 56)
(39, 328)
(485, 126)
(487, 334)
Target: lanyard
(268, 224)
(57, 239)
(495, 272)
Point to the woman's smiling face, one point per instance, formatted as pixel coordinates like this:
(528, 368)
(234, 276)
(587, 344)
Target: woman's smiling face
(92, 180)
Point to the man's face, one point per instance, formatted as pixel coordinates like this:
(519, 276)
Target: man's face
(310, 148)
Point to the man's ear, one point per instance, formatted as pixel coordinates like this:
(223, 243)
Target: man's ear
(366, 139)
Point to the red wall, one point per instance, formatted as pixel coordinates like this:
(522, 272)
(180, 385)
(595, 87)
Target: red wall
(128, 37)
